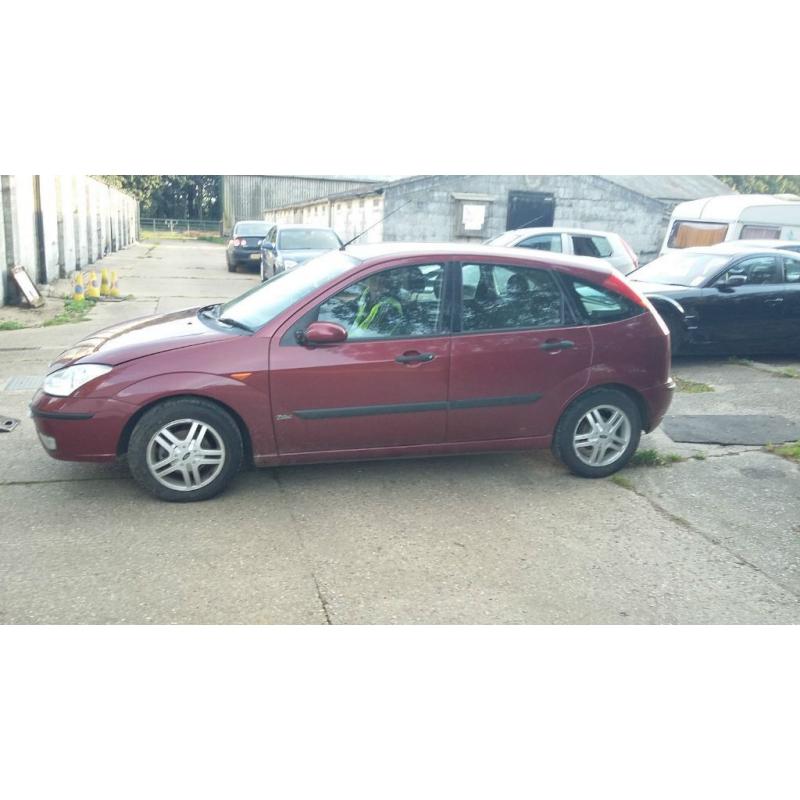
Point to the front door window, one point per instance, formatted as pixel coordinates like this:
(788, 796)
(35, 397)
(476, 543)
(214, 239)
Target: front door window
(393, 304)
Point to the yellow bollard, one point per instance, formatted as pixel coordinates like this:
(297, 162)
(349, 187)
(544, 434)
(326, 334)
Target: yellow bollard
(93, 289)
(104, 285)
(114, 290)
(77, 286)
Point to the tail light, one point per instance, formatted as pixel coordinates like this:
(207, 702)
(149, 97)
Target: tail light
(633, 256)
(237, 242)
(244, 242)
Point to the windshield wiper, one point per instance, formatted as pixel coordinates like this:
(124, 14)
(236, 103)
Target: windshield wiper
(234, 323)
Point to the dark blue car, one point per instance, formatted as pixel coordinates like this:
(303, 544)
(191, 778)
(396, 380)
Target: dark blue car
(286, 246)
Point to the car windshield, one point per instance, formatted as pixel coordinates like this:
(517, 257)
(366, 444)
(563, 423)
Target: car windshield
(308, 239)
(251, 229)
(264, 302)
(681, 269)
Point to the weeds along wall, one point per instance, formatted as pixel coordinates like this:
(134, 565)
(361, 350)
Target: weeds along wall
(55, 224)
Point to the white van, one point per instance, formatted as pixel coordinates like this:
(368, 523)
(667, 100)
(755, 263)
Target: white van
(710, 220)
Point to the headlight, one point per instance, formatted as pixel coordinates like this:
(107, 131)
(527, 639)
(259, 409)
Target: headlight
(288, 263)
(64, 382)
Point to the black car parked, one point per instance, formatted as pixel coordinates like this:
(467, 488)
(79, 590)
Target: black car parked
(245, 244)
(727, 298)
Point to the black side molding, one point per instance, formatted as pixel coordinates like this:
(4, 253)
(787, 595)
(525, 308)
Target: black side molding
(409, 408)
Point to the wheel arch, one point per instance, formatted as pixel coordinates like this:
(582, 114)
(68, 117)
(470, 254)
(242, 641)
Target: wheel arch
(125, 436)
(632, 393)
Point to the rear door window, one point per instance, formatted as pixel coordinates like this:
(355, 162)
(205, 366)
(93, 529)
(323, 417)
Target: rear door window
(496, 297)
(792, 270)
(594, 246)
(601, 305)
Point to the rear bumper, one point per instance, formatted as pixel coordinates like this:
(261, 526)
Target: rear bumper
(658, 400)
(246, 256)
(79, 430)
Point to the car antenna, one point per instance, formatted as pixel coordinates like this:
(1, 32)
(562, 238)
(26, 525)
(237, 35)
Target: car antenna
(386, 216)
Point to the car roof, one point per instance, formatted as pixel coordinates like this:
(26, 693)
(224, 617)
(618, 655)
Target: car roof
(303, 225)
(770, 243)
(384, 250)
(579, 231)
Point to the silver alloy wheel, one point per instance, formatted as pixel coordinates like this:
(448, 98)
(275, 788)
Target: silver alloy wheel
(601, 436)
(185, 455)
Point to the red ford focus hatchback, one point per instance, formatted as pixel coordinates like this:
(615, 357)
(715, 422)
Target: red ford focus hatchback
(372, 352)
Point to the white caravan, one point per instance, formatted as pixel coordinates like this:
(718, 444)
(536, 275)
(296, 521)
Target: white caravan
(710, 220)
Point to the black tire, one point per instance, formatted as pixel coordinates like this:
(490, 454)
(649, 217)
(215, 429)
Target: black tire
(564, 447)
(220, 428)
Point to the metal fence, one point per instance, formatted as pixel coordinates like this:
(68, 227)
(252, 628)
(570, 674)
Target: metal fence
(181, 225)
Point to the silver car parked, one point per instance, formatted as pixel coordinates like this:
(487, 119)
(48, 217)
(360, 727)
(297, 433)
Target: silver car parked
(610, 247)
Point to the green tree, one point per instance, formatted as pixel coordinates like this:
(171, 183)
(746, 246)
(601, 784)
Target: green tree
(763, 184)
(172, 196)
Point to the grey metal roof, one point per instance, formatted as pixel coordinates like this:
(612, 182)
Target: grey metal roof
(672, 187)
(666, 188)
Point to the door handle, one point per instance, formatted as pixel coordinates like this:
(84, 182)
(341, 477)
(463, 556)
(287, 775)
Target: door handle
(555, 344)
(773, 301)
(414, 358)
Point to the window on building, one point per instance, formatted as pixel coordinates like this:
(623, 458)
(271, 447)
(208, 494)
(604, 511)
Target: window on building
(471, 215)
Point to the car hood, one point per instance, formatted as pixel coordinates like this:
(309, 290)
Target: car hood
(141, 337)
(656, 288)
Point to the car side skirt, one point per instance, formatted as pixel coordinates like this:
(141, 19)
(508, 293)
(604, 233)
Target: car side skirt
(406, 451)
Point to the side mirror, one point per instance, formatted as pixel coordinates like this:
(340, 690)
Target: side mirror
(267, 246)
(323, 333)
(732, 282)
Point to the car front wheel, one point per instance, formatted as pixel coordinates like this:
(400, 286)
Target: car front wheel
(185, 449)
(599, 433)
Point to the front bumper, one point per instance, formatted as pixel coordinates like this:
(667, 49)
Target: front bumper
(79, 429)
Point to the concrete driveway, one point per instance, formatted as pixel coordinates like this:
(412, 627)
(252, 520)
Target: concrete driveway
(489, 539)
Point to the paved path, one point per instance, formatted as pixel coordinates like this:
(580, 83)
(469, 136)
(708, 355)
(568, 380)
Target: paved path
(491, 539)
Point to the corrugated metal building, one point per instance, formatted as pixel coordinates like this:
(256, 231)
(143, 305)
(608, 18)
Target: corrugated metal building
(249, 196)
(442, 208)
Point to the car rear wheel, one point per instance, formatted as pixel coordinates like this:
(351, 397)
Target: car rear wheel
(185, 449)
(231, 266)
(599, 433)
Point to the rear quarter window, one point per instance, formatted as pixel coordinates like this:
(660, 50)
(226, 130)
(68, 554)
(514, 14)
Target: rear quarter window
(594, 246)
(599, 305)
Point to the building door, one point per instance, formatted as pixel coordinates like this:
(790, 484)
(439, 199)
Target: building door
(530, 210)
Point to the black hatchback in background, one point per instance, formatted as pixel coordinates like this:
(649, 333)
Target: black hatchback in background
(245, 244)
